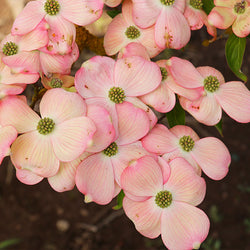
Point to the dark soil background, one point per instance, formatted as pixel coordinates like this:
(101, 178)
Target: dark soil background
(37, 217)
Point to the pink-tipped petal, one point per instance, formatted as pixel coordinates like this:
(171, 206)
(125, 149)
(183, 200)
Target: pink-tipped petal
(134, 128)
(145, 12)
(184, 73)
(61, 105)
(34, 152)
(82, 12)
(29, 18)
(164, 168)
(172, 29)
(95, 77)
(234, 98)
(160, 140)
(11, 89)
(64, 179)
(14, 111)
(205, 110)
(137, 76)
(95, 178)
(27, 177)
(184, 184)
(145, 215)
(112, 3)
(191, 226)
(213, 157)
(181, 130)
(105, 132)
(142, 177)
(206, 71)
(221, 17)
(193, 17)
(71, 137)
(7, 135)
(115, 38)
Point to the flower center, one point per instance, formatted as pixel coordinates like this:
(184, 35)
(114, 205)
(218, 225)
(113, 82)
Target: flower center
(211, 84)
(10, 49)
(197, 4)
(56, 83)
(163, 199)
(164, 73)
(51, 7)
(45, 126)
(132, 32)
(117, 95)
(167, 2)
(240, 7)
(187, 143)
(111, 150)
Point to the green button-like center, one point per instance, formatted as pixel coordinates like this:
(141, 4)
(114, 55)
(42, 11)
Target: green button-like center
(51, 7)
(117, 95)
(240, 7)
(132, 32)
(45, 126)
(111, 150)
(167, 2)
(163, 199)
(56, 83)
(197, 4)
(10, 49)
(187, 143)
(211, 84)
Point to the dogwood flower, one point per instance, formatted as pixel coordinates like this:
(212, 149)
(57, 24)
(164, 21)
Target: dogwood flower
(210, 154)
(62, 134)
(233, 97)
(231, 12)
(122, 31)
(116, 85)
(159, 204)
(171, 27)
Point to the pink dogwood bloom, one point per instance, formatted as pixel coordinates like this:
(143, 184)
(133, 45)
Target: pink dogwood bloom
(233, 97)
(122, 31)
(115, 85)
(7, 135)
(98, 176)
(171, 27)
(231, 12)
(210, 154)
(165, 204)
(197, 17)
(62, 134)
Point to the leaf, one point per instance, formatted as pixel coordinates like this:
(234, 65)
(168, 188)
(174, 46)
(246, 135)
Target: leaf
(219, 127)
(207, 5)
(120, 197)
(234, 50)
(176, 116)
(113, 13)
(8, 243)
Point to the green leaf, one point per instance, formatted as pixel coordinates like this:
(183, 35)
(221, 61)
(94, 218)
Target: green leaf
(119, 200)
(219, 127)
(176, 116)
(113, 13)
(234, 50)
(207, 5)
(8, 243)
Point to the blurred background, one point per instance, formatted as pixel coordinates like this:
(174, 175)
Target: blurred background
(37, 217)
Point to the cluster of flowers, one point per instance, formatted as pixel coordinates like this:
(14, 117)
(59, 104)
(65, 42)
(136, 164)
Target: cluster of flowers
(102, 135)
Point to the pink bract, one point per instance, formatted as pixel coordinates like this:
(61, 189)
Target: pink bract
(171, 28)
(233, 12)
(159, 205)
(115, 86)
(62, 134)
(210, 154)
(122, 31)
(233, 97)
